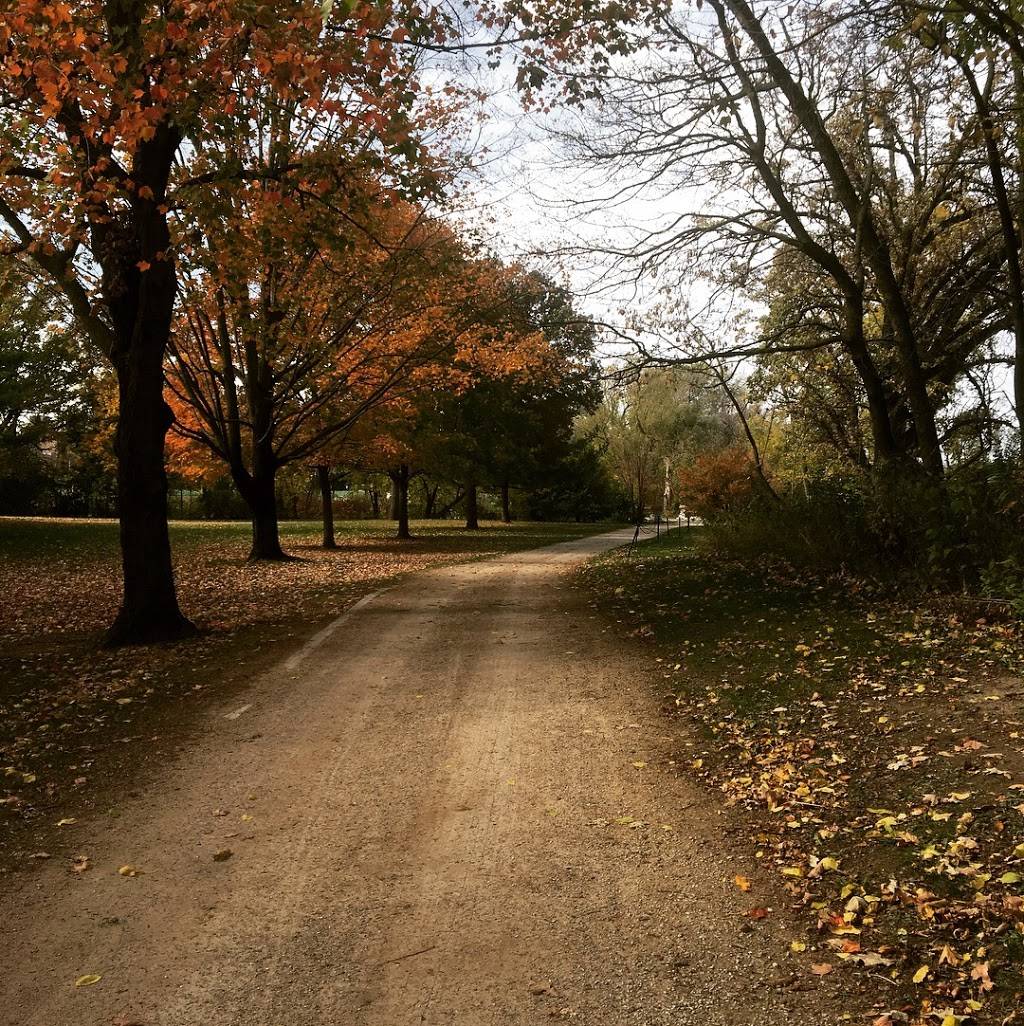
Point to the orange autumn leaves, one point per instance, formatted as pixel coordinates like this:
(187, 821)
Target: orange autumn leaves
(91, 86)
(325, 315)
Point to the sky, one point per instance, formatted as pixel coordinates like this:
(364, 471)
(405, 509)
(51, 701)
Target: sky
(530, 201)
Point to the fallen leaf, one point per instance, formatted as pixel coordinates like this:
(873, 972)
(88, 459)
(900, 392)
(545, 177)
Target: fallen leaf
(871, 958)
(822, 968)
(223, 855)
(742, 883)
(88, 980)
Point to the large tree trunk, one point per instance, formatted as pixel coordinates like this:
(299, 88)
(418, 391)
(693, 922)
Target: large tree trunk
(875, 248)
(138, 285)
(400, 484)
(259, 491)
(149, 606)
(395, 497)
(261, 494)
(1005, 206)
(266, 539)
(141, 305)
(506, 504)
(323, 477)
(472, 519)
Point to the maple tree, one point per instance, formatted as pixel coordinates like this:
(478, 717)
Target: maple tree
(299, 321)
(110, 115)
(499, 417)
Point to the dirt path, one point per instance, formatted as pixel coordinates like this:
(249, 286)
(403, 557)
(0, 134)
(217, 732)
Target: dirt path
(422, 815)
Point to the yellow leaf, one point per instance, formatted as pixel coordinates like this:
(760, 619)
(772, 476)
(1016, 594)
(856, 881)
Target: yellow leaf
(742, 883)
(1010, 878)
(919, 976)
(797, 946)
(792, 871)
(639, 765)
(129, 870)
(88, 980)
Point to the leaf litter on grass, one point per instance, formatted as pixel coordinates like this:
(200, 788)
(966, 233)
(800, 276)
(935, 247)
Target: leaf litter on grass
(874, 745)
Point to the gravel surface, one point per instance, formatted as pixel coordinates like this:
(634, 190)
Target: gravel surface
(456, 807)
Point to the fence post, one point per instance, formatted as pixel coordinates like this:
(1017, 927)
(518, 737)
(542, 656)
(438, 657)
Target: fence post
(636, 535)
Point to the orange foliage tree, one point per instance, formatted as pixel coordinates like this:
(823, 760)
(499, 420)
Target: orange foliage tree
(718, 481)
(111, 117)
(300, 319)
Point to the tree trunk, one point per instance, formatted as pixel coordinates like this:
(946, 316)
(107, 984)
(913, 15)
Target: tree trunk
(138, 286)
(149, 607)
(396, 500)
(506, 506)
(374, 502)
(323, 476)
(401, 480)
(875, 248)
(258, 489)
(261, 494)
(262, 501)
(472, 520)
(429, 500)
(1005, 207)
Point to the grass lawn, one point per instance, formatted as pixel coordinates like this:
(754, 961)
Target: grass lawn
(63, 575)
(874, 747)
(68, 706)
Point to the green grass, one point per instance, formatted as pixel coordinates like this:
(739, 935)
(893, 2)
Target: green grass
(724, 620)
(847, 723)
(30, 539)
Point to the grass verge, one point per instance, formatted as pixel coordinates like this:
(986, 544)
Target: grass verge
(873, 747)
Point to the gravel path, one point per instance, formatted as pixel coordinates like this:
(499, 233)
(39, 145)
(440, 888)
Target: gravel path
(453, 808)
